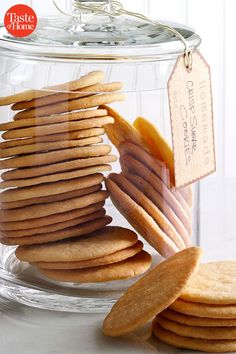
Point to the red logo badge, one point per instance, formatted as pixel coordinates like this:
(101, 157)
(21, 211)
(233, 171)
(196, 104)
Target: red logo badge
(20, 20)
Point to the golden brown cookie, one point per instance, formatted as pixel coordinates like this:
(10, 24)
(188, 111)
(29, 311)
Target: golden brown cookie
(73, 105)
(166, 228)
(67, 96)
(76, 231)
(30, 212)
(213, 284)
(209, 333)
(144, 186)
(129, 163)
(49, 189)
(126, 269)
(49, 146)
(57, 118)
(203, 345)
(54, 227)
(51, 219)
(152, 294)
(91, 78)
(99, 244)
(47, 158)
(115, 257)
(141, 220)
(49, 129)
(198, 321)
(204, 310)
(71, 165)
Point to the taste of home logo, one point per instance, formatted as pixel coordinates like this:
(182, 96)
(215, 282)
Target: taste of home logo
(20, 20)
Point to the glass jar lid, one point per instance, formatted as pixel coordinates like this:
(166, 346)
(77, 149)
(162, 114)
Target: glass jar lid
(98, 30)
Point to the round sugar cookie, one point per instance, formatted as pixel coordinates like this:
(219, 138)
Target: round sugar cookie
(55, 177)
(57, 128)
(144, 186)
(132, 165)
(88, 79)
(197, 332)
(50, 188)
(51, 219)
(140, 220)
(152, 294)
(73, 105)
(197, 321)
(76, 231)
(99, 244)
(50, 146)
(58, 167)
(214, 283)
(203, 345)
(30, 212)
(204, 310)
(101, 261)
(53, 198)
(55, 156)
(151, 209)
(57, 118)
(126, 269)
(67, 96)
(54, 227)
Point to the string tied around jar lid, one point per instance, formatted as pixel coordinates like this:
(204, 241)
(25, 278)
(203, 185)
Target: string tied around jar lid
(114, 8)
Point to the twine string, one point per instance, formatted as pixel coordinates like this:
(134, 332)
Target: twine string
(117, 9)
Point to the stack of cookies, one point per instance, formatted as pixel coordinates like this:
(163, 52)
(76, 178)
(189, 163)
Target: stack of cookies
(143, 191)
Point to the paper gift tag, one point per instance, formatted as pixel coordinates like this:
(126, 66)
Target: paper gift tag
(191, 111)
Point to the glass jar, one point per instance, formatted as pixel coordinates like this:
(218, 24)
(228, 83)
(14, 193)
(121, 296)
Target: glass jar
(56, 147)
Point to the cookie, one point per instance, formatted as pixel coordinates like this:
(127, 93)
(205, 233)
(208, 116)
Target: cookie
(89, 79)
(57, 118)
(203, 345)
(151, 294)
(126, 269)
(41, 210)
(67, 96)
(121, 130)
(73, 105)
(197, 321)
(50, 146)
(58, 167)
(165, 227)
(156, 167)
(54, 227)
(101, 261)
(49, 129)
(50, 189)
(47, 158)
(99, 244)
(51, 219)
(140, 220)
(55, 177)
(204, 310)
(214, 283)
(52, 198)
(197, 332)
(76, 231)
(129, 163)
(79, 134)
(159, 201)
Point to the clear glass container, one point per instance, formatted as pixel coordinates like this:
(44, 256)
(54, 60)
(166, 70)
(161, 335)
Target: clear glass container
(124, 49)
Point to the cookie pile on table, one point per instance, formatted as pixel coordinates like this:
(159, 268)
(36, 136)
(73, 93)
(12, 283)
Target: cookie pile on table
(53, 159)
(193, 305)
(143, 192)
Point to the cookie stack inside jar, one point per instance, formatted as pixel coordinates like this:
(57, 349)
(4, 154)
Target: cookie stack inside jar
(53, 199)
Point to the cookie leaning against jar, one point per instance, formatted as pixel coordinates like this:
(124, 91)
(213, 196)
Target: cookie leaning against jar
(143, 192)
(54, 162)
